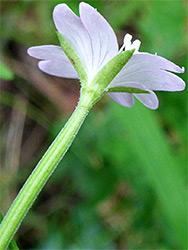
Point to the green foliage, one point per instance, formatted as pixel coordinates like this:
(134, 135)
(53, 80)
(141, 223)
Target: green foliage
(122, 183)
(162, 27)
(5, 73)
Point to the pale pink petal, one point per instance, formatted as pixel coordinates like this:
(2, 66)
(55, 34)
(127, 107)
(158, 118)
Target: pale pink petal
(72, 29)
(149, 100)
(151, 79)
(103, 39)
(124, 99)
(146, 61)
(58, 68)
(47, 52)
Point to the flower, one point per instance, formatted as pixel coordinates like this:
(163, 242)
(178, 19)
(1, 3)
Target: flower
(95, 43)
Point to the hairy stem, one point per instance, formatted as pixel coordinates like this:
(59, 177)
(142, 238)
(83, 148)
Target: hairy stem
(43, 171)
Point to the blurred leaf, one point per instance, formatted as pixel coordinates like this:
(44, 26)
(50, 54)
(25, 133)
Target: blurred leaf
(120, 13)
(162, 27)
(151, 150)
(90, 234)
(5, 72)
(53, 240)
(33, 113)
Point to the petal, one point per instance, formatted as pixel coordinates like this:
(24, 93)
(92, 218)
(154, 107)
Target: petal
(124, 99)
(146, 61)
(71, 27)
(149, 100)
(47, 52)
(151, 79)
(58, 68)
(103, 39)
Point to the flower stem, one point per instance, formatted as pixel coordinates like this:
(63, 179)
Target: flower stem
(12, 245)
(43, 171)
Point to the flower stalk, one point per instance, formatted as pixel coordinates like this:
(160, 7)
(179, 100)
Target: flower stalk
(43, 170)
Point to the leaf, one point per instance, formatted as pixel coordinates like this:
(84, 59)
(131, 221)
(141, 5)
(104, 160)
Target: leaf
(150, 147)
(5, 72)
(162, 27)
(121, 14)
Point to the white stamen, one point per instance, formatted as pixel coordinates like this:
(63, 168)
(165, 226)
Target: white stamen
(127, 39)
(135, 45)
(126, 42)
(121, 49)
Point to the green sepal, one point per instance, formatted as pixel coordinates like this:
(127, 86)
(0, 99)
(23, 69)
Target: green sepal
(128, 90)
(111, 69)
(73, 58)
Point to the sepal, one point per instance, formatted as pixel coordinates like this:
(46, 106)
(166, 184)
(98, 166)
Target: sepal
(74, 59)
(128, 90)
(111, 69)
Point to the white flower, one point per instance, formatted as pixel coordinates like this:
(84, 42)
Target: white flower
(95, 43)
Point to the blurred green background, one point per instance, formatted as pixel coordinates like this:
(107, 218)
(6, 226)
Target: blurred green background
(122, 184)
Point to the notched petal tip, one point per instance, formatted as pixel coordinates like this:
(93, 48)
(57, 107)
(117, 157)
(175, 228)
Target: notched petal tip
(45, 67)
(149, 100)
(57, 10)
(182, 69)
(47, 52)
(181, 86)
(61, 12)
(40, 52)
(160, 80)
(55, 68)
(146, 61)
(60, 7)
(31, 51)
(167, 64)
(86, 5)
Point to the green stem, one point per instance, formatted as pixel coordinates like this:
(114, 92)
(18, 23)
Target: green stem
(43, 170)
(12, 245)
